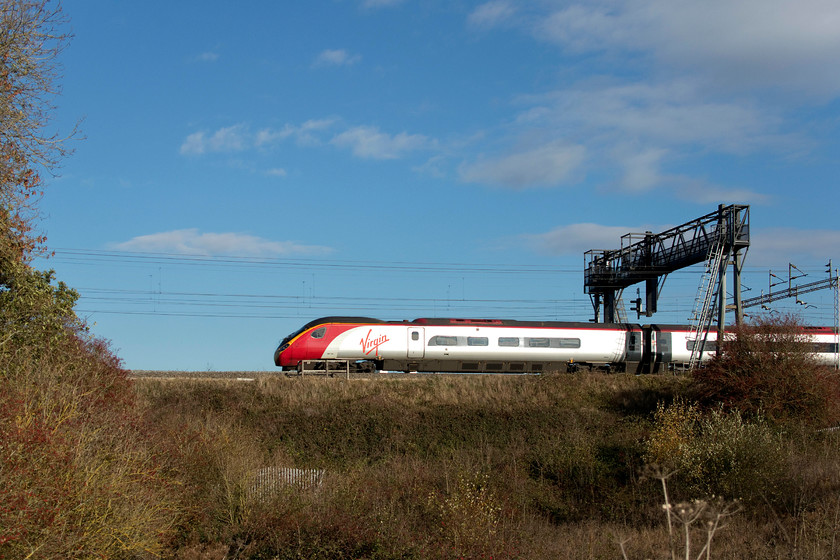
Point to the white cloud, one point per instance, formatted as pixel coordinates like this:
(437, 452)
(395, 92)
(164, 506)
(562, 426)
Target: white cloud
(306, 134)
(276, 172)
(269, 136)
(192, 242)
(641, 169)
(702, 192)
(364, 141)
(208, 56)
(706, 69)
(239, 137)
(787, 45)
(194, 144)
(582, 28)
(779, 246)
(641, 172)
(229, 139)
(666, 113)
(544, 166)
(491, 14)
(370, 143)
(634, 131)
(576, 239)
(380, 3)
(336, 57)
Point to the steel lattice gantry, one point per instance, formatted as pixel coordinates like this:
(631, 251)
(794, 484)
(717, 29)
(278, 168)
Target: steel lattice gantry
(651, 257)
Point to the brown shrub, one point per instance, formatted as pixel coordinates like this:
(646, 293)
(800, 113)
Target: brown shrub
(767, 367)
(79, 476)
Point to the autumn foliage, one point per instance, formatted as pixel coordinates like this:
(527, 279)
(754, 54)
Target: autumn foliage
(767, 367)
(79, 477)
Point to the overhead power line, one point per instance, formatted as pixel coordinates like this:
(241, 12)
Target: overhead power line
(91, 256)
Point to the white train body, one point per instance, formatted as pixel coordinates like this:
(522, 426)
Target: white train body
(487, 345)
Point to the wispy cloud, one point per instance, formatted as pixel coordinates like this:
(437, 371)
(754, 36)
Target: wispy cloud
(718, 77)
(305, 134)
(770, 247)
(672, 113)
(380, 3)
(229, 139)
(336, 57)
(547, 165)
(367, 142)
(791, 46)
(703, 192)
(370, 143)
(193, 242)
(778, 246)
(576, 239)
(491, 14)
(240, 137)
(633, 132)
(208, 56)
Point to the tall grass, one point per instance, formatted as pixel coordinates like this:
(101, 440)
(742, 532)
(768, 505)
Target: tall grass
(485, 466)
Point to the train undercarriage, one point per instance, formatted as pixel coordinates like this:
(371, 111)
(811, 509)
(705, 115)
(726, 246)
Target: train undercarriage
(338, 367)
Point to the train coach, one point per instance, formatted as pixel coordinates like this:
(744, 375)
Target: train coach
(362, 344)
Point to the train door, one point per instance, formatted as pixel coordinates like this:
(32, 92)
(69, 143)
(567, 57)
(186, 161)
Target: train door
(649, 358)
(416, 342)
(664, 351)
(634, 347)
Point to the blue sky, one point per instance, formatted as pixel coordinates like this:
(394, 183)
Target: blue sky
(248, 167)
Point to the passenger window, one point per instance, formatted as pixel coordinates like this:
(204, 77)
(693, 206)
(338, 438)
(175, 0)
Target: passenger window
(511, 341)
(443, 341)
(477, 341)
(569, 343)
(319, 333)
(539, 342)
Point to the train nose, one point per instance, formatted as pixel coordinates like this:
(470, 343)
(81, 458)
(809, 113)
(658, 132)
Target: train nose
(278, 354)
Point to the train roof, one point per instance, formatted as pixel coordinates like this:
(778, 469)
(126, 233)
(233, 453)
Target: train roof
(339, 319)
(516, 323)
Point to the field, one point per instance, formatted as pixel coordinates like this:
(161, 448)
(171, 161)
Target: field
(447, 466)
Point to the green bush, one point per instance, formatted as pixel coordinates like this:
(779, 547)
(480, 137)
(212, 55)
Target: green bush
(718, 454)
(735, 458)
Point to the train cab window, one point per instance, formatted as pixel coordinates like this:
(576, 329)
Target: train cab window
(510, 341)
(476, 341)
(539, 342)
(319, 333)
(441, 340)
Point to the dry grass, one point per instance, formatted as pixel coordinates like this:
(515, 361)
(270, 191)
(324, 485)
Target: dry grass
(419, 467)
(479, 467)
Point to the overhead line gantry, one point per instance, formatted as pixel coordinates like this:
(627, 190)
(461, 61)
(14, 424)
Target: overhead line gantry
(718, 239)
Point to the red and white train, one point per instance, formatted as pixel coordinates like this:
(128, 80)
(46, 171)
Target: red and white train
(362, 344)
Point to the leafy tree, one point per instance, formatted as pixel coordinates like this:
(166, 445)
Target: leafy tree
(79, 475)
(31, 38)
